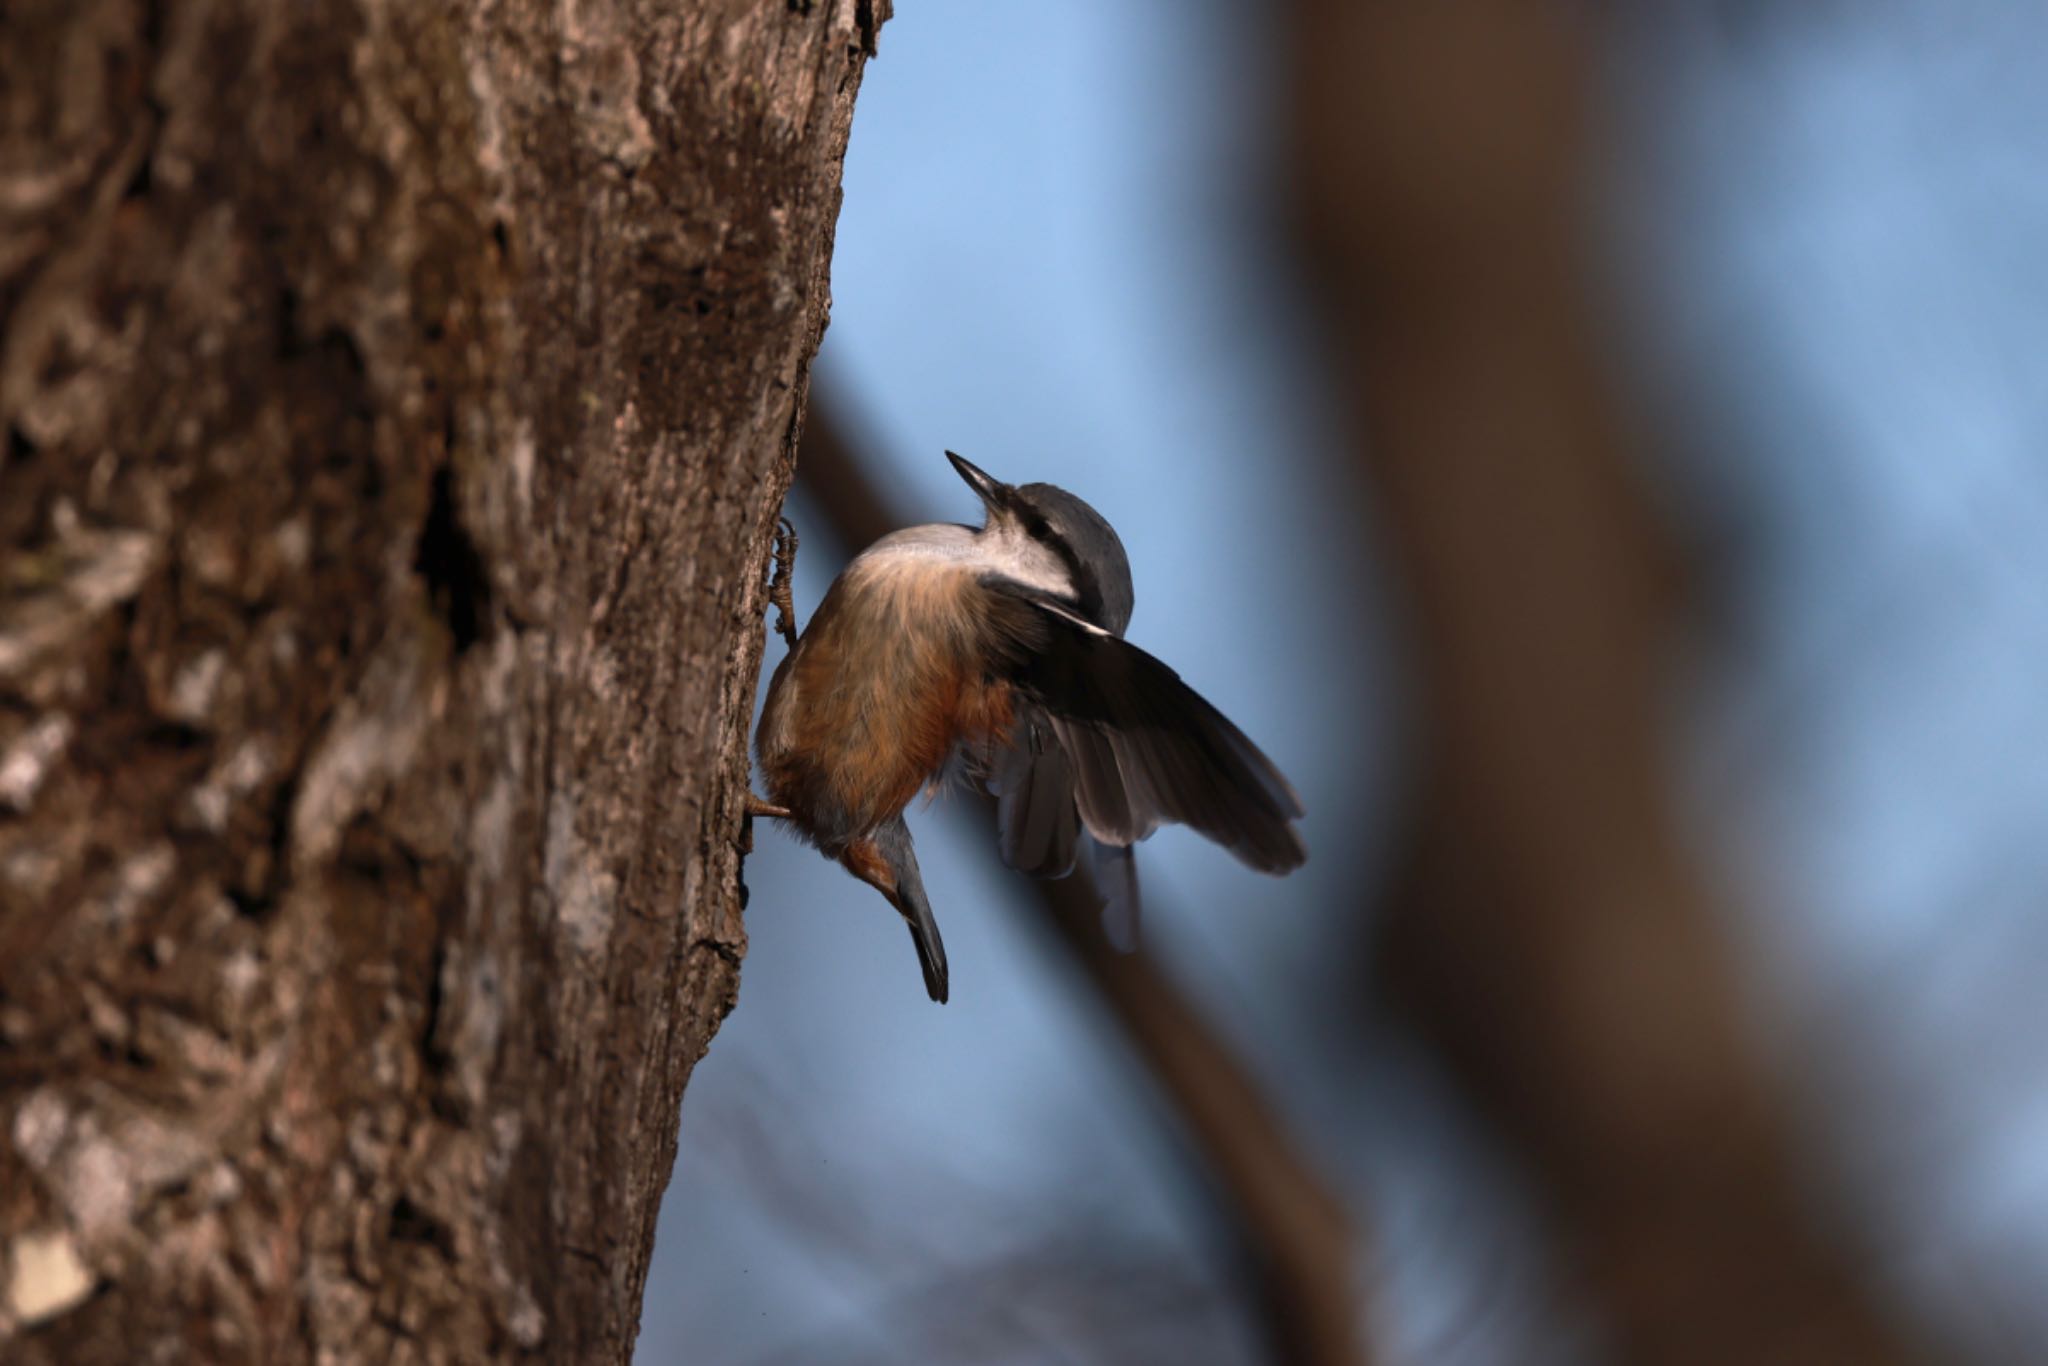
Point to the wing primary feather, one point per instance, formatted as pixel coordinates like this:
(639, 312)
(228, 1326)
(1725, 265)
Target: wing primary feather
(1144, 748)
(1033, 782)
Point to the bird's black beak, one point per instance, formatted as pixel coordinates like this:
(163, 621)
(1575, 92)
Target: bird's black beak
(993, 492)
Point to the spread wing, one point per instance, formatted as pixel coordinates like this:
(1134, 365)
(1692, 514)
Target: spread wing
(1135, 747)
(1033, 783)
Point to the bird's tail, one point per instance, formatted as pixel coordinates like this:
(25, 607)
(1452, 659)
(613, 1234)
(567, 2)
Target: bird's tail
(893, 840)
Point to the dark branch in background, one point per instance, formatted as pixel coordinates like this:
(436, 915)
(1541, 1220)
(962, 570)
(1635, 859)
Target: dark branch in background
(1069, 1285)
(1552, 938)
(1292, 1228)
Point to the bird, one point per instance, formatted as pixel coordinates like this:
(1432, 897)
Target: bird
(997, 653)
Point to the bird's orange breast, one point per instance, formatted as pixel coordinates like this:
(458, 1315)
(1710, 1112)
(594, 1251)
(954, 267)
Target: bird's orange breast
(883, 685)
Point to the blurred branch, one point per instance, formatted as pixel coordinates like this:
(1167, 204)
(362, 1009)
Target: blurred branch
(1079, 1293)
(1294, 1229)
(1066, 1286)
(1552, 937)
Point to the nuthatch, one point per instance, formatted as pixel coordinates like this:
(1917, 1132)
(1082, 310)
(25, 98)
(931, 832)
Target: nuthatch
(1000, 652)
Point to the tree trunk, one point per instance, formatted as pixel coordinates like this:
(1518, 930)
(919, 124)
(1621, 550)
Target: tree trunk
(397, 401)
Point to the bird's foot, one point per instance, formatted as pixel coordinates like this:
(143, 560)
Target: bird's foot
(757, 806)
(779, 591)
(761, 806)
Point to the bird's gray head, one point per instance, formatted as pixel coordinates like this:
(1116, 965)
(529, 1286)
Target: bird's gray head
(1079, 535)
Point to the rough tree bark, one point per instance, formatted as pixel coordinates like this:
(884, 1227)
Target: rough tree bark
(397, 399)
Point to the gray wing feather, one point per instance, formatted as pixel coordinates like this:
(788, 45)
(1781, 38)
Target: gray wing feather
(1145, 748)
(1033, 782)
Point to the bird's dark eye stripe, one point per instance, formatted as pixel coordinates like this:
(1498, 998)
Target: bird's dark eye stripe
(1087, 591)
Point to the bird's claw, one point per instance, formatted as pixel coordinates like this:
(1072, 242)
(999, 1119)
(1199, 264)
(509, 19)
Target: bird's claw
(757, 806)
